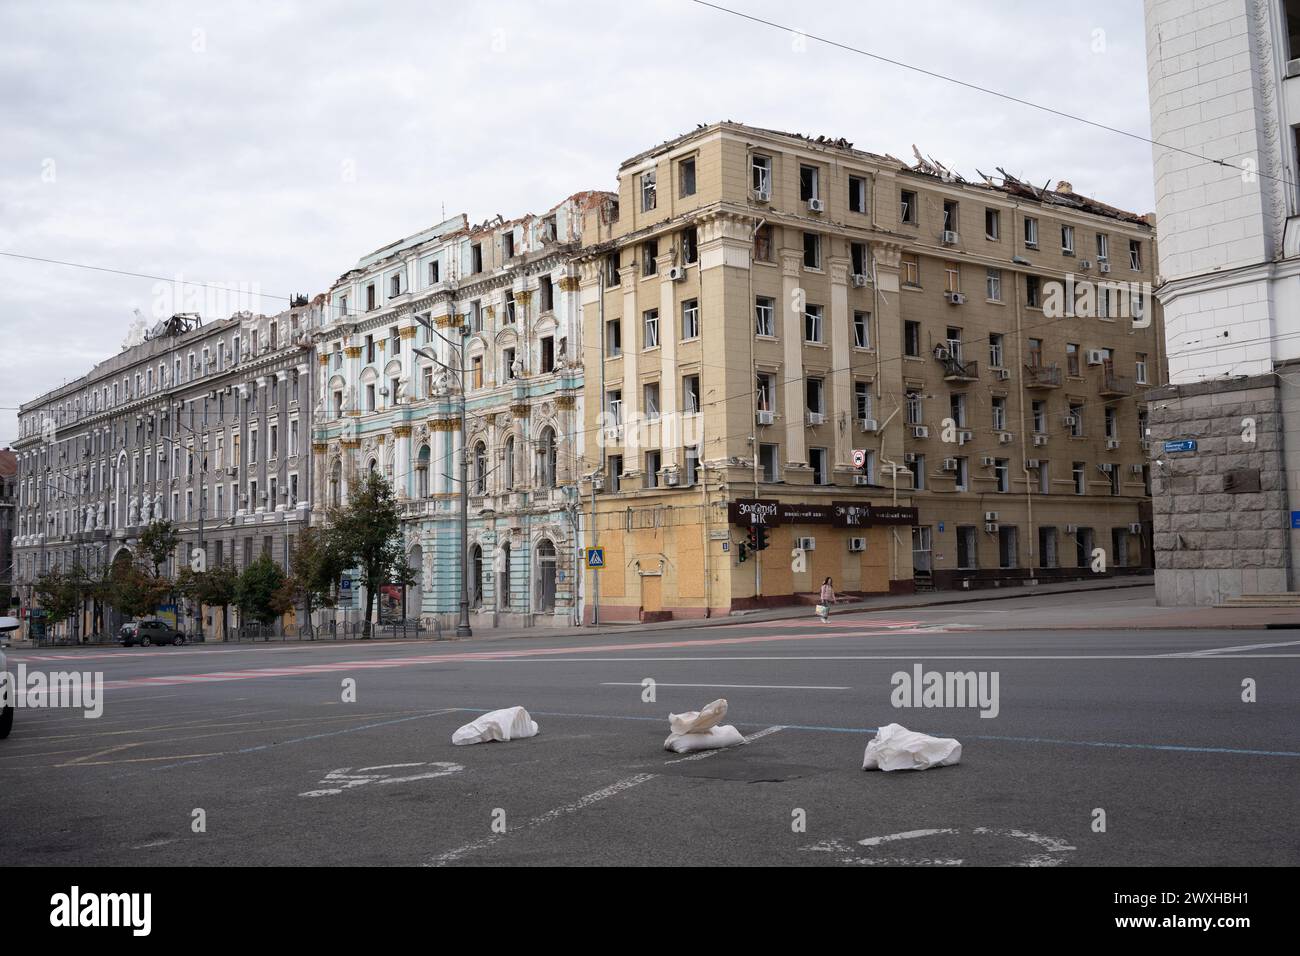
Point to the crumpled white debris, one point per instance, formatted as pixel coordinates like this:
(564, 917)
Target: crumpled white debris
(699, 730)
(506, 724)
(896, 748)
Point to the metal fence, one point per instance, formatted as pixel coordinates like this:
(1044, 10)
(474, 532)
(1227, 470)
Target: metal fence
(335, 631)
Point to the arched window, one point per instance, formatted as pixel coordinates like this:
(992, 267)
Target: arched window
(476, 578)
(546, 454)
(480, 469)
(422, 472)
(508, 465)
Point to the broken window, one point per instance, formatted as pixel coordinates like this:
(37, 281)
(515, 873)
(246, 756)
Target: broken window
(812, 250)
(649, 253)
(686, 177)
(857, 194)
(548, 353)
(809, 183)
(1031, 232)
(907, 208)
(546, 293)
(690, 245)
(761, 176)
(508, 245)
(992, 223)
(763, 244)
(648, 197)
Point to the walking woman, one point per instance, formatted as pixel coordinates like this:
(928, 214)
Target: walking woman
(827, 596)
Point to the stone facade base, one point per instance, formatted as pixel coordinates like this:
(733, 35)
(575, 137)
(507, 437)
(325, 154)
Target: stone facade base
(1221, 513)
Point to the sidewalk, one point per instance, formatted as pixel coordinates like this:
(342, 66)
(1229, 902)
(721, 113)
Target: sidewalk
(1132, 616)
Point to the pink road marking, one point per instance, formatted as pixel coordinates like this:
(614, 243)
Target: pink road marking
(387, 662)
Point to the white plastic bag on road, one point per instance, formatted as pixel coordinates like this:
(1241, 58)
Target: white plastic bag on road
(699, 730)
(504, 724)
(896, 748)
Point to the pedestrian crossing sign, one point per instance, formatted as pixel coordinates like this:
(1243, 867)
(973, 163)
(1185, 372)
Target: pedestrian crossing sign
(595, 558)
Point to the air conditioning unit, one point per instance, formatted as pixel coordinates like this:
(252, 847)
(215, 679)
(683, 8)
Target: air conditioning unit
(1071, 529)
(986, 461)
(861, 480)
(763, 194)
(1135, 469)
(1112, 443)
(949, 237)
(857, 544)
(859, 280)
(990, 516)
(942, 352)
(806, 544)
(920, 431)
(869, 424)
(677, 273)
(670, 479)
(954, 298)
(816, 205)
(1105, 468)
(1005, 438)
(1103, 266)
(1040, 441)
(950, 464)
(1033, 463)
(964, 436)
(1069, 421)
(1096, 357)
(909, 457)
(1003, 374)
(1085, 264)
(991, 527)
(597, 482)
(816, 418)
(1135, 527)
(766, 417)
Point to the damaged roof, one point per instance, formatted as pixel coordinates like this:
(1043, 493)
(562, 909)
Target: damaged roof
(1063, 195)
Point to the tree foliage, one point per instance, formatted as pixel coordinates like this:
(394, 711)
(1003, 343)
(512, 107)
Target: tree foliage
(158, 542)
(366, 534)
(59, 591)
(260, 590)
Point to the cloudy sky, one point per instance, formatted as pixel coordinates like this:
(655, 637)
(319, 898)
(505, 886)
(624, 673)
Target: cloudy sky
(269, 146)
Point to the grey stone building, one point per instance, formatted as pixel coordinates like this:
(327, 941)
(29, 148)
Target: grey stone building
(204, 424)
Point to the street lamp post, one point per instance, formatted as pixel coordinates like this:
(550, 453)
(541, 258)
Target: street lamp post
(462, 626)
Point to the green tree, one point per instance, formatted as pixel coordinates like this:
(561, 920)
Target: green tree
(158, 542)
(59, 592)
(316, 569)
(366, 534)
(135, 591)
(215, 587)
(260, 592)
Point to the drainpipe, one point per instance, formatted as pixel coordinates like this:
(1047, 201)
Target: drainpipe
(1024, 449)
(753, 409)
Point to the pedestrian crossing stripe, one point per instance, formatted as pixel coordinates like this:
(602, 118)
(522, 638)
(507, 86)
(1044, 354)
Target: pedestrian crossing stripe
(595, 557)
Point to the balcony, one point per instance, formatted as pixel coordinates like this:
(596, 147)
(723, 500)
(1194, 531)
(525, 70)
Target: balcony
(1043, 376)
(1115, 386)
(959, 373)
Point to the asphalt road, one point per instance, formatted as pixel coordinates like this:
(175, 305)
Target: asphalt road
(1148, 727)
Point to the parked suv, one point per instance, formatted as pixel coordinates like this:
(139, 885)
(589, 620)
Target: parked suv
(146, 633)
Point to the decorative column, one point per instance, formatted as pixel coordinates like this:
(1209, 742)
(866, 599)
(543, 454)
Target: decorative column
(402, 460)
(886, 257)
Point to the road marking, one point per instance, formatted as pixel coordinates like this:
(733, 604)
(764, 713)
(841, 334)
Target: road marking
(344, 779)
(627, 783)
(299, 740)
(905, 835)
(466, 658)
(710, 753)
(660, 683)
(1042, 854)
(1226, 650)
(917, 655)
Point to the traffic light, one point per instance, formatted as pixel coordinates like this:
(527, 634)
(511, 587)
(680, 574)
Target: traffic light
(741, 554)
(760, 541)
(752, 537)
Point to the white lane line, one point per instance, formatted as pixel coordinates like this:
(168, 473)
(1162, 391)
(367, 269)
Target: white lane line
(614, 789)
(612, 683)
(709, 753)
(915, 655)
(1212, 651)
